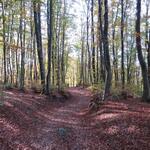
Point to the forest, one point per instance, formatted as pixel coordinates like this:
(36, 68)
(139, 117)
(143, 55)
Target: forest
(74, 74)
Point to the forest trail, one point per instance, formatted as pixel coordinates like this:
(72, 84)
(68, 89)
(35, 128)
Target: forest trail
(32, 122)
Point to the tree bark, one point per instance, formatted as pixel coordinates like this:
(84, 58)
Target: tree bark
(122, 45)
(22, 41)
(93, 43)
(4, 42)
(146, 87)
(63, 45)
(87, 45)
(106, 53)
(147, 43)
(37, 22)
(115, 60)
(102, 63)
(49, 31)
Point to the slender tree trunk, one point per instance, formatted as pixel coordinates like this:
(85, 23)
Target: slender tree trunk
(10, 41)
(113, 46)
(97, 62)
(130, 58)
(4, 42)
(53, 64)
(82, 59)
(58, 26)
(31, 44)
(93, 42)
(49, 31)
(16, 58)
(102, 63)
(148, 58)
(122, 45)
(34, 58)
(63, 45)
(87, 45)
(22, 41)
(106, 53)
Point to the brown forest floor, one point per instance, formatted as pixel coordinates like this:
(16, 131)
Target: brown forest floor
(30, 121)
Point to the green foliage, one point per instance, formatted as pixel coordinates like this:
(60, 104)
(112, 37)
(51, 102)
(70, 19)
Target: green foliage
(130, 89)
(8, 86)
(36, 86)
(1, 96)
(97, 88)
(135, 90)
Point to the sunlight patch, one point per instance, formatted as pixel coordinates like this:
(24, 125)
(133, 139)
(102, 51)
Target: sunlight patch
(133, 129)
(64, 121)
(9, 104)
(107, 116)
(112, 130)
(8, 126)
(8, 92)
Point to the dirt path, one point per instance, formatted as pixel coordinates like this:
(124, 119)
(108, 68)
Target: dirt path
(33, 122)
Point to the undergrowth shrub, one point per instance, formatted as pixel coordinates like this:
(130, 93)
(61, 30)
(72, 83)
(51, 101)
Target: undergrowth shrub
(36, 87)
(96, 88)
(117, 93)
(95, 102)
(8, 86)
(130, 91)
(135, 90)
(2, 98)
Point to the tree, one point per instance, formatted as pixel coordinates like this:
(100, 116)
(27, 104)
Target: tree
(146, 87)
(63, 44)
(101, 36)
(106, 53)
(122, 45)
(115, 60)
(37, 22)
(147, 36)
(49, 31)
(22, 42)
(4, 41)
(93, 42)
(82, 74)
(87, 44)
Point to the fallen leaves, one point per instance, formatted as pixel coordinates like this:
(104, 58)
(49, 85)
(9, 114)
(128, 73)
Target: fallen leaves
(30, 121)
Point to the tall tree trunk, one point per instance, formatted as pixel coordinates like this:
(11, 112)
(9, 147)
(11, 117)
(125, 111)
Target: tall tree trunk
(113, 45)
(4, 42)
(122, 45)
(58, 26)
(82, 59)
(102, 63)
(130, 59)
(87, 45)
(147, 43)
(93, 43)
(53, 63)
(106, 53)
(49, 31)
(22, 41)
(9, 41)
(63, 45)
(146, 87)
(31, 44)
(16, 58)
(148, 58)
(35, 58)
(37, 22)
